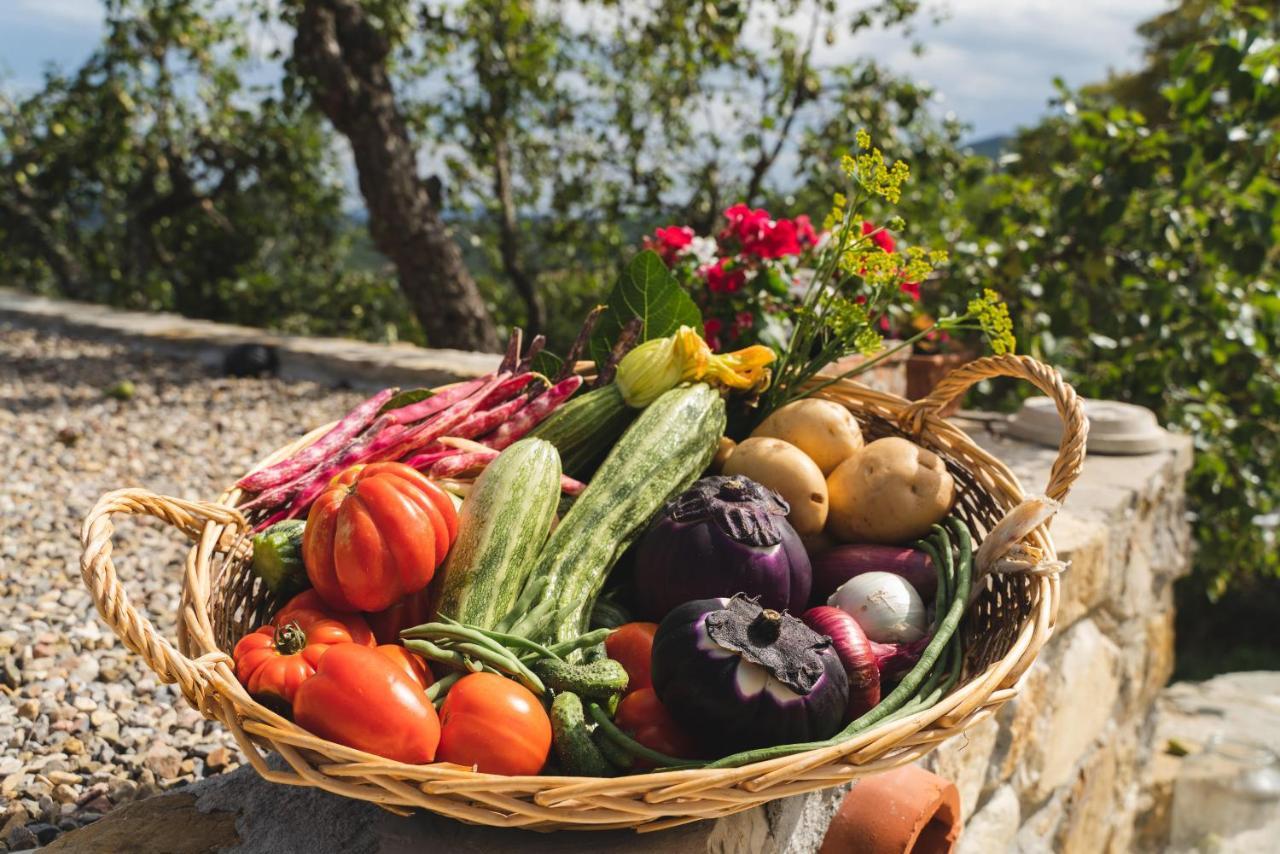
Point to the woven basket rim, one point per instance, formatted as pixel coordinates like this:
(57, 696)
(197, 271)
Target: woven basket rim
(647, 801)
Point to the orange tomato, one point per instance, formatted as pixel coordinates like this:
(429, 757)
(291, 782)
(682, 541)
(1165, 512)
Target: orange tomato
(376, 534)
(361, 698)
(494, 724)
(631, 645)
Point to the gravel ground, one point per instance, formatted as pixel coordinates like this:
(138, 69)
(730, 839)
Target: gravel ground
(84, 724)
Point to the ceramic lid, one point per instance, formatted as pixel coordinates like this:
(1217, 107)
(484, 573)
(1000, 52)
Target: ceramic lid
(1114, 427)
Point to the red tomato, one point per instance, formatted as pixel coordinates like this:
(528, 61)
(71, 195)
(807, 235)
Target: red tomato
(274, 661)
(495, 724)
(631, 645)
(642, 715)
(412, 610)
(376, 534)
(364, 700)
(310, 602)
(410, 662)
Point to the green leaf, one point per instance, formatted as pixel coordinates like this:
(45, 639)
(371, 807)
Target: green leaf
(647, 290)
(406, 398)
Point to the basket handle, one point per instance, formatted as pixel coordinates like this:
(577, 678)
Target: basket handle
(99, 574)
(1071, 450)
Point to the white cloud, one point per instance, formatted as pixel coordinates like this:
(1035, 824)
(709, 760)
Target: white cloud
(70, 11)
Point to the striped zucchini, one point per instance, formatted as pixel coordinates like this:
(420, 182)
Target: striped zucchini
(503, 524)
(665, 450)
(586, 427)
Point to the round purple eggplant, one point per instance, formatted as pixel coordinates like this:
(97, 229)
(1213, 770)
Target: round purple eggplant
(739, 676)
(723, 536)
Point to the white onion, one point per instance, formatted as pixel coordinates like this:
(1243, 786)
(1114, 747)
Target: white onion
(885, 605)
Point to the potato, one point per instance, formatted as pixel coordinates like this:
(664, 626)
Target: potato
(788, 471)
(892, 491)
(723, 452)
(823, 429)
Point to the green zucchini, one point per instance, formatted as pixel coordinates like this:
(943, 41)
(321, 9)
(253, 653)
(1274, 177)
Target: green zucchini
(666, 449)
(277, 557)
(600, 680)
(608, 614)
(585, 428)
(503, 523)
(572, 739)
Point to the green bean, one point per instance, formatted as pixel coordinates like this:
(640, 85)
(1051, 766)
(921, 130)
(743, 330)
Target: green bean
(440, 688)
(631, 746)
(503, 663)
(506, 640)
(431, 652)
(524, 602)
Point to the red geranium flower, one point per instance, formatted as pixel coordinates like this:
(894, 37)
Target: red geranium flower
(720, 279)
(668, 241)
(804, 229)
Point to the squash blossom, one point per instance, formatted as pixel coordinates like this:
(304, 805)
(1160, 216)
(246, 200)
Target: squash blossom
(659, 365)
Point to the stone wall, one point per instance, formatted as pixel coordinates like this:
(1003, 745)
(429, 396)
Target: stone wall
(1060, 767)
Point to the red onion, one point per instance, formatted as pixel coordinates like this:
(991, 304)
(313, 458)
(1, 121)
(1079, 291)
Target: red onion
(865, 661)
(834, 567)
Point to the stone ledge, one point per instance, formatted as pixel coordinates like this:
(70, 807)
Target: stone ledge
(241, 813)
(358, 363)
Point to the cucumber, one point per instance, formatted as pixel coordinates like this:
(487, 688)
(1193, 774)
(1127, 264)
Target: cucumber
(574, 747)
(277, 558)
(666, 449)
(503, 523)
(600, 680)
(585, 428)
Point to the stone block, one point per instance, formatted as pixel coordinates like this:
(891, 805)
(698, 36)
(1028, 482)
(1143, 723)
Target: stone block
(964, 761)
(1083, 542)
(992, 829)
(1090, 814)
(1067, 700)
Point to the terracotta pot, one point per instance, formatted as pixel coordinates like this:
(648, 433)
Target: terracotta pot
(925, 369)
(888, 376)
(904, 810)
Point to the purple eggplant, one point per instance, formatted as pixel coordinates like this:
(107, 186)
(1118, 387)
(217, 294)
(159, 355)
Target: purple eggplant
(739, 676)
(722, 536)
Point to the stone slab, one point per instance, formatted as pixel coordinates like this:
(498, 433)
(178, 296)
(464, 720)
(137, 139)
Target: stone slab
(240, 813)
(356, 363)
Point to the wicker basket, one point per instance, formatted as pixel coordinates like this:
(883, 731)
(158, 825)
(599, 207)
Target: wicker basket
(1004, 630)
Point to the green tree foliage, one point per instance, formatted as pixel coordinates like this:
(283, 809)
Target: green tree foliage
(1138, 231)
(156, 177)
(560, 132)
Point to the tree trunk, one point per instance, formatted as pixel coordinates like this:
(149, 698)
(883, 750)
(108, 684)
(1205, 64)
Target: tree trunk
(343, 58)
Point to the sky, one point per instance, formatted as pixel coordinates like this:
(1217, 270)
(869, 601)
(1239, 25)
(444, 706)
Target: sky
(992, 61)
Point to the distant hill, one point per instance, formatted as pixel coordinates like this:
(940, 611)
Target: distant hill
(992, 147)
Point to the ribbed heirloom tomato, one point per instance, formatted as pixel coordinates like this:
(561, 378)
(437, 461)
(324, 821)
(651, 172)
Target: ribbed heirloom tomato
(274, 661)
(376, 534)
(494, 724)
